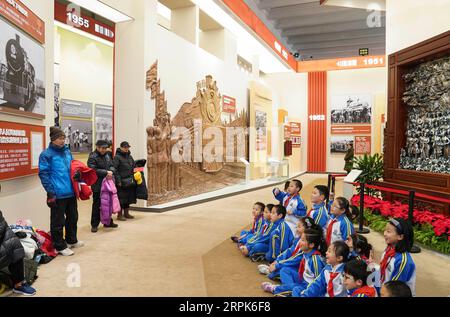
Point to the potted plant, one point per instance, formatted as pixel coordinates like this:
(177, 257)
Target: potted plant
(372, 170)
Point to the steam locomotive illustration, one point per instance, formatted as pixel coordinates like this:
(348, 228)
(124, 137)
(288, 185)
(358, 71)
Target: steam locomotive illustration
(17, 78)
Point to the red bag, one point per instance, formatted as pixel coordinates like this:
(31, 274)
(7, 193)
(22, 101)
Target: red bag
(47, 246)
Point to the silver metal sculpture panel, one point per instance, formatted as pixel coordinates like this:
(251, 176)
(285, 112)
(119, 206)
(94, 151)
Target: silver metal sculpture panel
(427, 97)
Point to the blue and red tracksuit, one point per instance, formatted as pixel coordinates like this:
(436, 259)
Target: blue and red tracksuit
(280, 241)
(338, 229)
(330, 283)
(294, 280)
(259, 244)
(294, 204)
(289, 258)
(258, 223)
(396, 266)
(319, 213)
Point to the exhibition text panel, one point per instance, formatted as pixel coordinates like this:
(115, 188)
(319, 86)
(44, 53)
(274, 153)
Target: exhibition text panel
(20, 147)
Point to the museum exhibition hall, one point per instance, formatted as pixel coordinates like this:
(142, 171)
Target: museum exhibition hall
(224, 148)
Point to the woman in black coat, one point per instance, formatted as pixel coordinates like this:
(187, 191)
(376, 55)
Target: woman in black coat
(126, 185)
(11, 256)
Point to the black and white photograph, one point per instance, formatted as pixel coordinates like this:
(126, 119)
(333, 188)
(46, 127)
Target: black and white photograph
(22, 73)
(351, 109)
(103, 123)
(78, 135)
(338, 144)
(76, 108)
(261, 130)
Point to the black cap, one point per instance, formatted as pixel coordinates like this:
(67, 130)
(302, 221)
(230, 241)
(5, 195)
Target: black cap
(125, 144)
(102, 143)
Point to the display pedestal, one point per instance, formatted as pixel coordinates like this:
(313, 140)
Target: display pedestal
(434, 184)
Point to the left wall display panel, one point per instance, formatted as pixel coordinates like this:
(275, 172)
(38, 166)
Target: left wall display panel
(22, 73)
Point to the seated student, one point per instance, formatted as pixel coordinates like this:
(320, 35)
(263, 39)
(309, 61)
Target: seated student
(281, 240)
(359, 247)
(292, 201)
(397, 264)
(319, 210)
(339, 226)
(395, 289)
(355, 279)
(313, 246)
(330, 282)
(258, 219)
(292, 256)
(262, 229)
(257, 248)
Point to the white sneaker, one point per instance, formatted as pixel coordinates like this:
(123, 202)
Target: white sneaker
(263, 269)
(79, 244)
(66, 252)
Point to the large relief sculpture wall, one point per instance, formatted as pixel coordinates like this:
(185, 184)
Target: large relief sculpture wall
(196, 151)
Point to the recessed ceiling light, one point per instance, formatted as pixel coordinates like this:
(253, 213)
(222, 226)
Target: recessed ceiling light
(103, 10)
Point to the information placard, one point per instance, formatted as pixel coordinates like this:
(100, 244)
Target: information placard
(20, 147)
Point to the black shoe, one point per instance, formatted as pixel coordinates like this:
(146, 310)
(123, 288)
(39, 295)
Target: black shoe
(94, 229)
(111, 225)
(235, 239)
(257, 258)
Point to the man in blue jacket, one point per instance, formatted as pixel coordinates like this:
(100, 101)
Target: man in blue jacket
(54, 172)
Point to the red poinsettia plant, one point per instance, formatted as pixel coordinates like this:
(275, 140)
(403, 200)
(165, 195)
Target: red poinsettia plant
(439, 222)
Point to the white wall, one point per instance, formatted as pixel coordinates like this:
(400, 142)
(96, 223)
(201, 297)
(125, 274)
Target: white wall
(409, 22)
(290, 91)
(181, 65)
(25, 197)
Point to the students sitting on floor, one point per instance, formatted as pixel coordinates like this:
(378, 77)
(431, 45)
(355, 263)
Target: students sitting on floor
(265, 225)
(330, 283)
(257, 248)
(292, 201)
(355, 279)
(397, 264)
(258, 219)
(339, 226)
(319, 209)
(395, 289)
(313, 246)
(292, 256)
(359, 247)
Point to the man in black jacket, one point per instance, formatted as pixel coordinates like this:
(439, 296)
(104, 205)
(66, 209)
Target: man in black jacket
(11, 256)
(102, 163)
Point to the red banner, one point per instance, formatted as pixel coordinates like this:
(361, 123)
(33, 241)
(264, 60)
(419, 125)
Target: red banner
(351, 129)
(363, 144)
(342, 63)
(69, 15)
(317, 124)
(22, 17)
(229, 105)
(20, 147)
